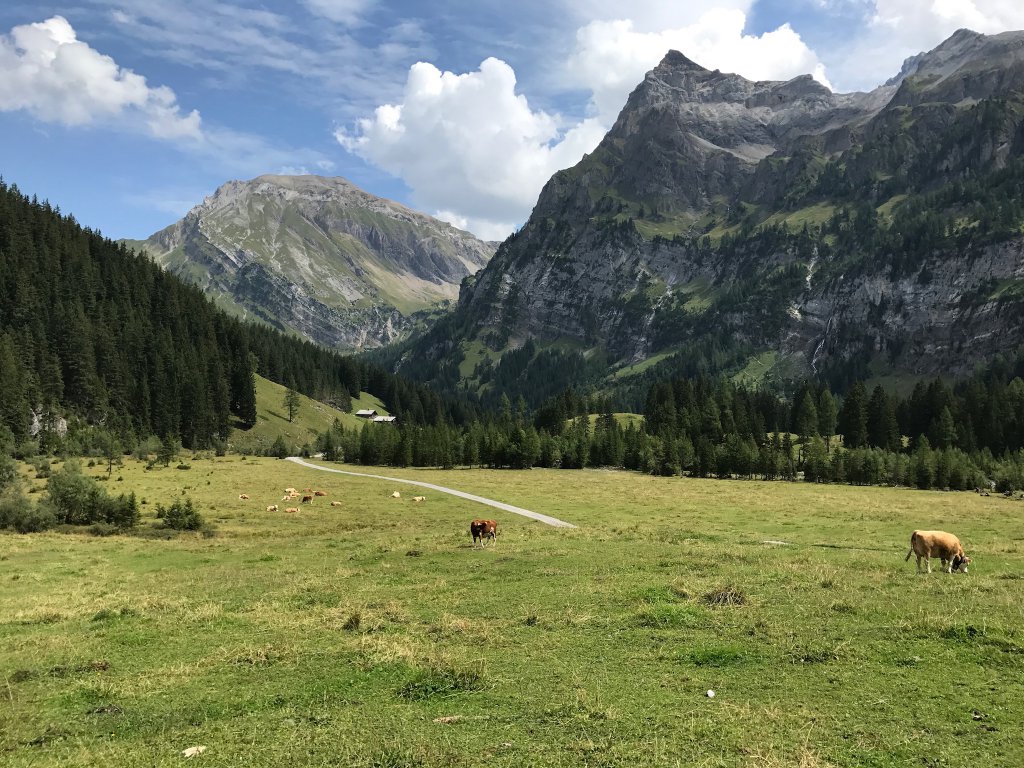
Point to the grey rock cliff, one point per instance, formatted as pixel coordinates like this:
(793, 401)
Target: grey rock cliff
(318, 256)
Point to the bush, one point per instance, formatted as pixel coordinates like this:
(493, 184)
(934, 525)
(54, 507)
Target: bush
(17, 512)
(279, 448)
(8, 471)
(79, 500)
(181, 515)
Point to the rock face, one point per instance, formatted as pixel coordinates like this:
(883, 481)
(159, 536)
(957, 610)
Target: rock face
(728, 219)
(318, 256)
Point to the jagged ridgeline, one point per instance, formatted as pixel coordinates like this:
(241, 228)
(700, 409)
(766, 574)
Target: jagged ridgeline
(319, 257)
(89, 328)
(771, 230)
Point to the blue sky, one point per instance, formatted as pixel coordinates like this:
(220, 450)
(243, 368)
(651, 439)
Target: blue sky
(127, 113)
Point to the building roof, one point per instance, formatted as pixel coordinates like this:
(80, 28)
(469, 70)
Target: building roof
(366, 413)
(387, 419)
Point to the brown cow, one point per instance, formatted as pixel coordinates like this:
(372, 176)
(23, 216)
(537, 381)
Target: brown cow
(483, 530)
(945, 546)
(319, 493)
(307, 499)
(293, 510)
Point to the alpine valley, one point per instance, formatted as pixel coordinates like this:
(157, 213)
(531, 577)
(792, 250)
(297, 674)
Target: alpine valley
(765, 230)
(319, 257)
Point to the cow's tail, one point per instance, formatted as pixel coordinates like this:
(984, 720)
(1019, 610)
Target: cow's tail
(910, 551)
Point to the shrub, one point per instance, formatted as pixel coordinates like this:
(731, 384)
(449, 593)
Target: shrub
(279, 448)
(79, 500)
(181, 515)
(17, 512)
(8, 471)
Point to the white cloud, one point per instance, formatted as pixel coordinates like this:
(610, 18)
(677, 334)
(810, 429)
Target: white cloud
(46, 71)
(923, 19)
(897, 29)
(470, 148)
(347, 12)
(652, 15)
(476, 154)
(611, 57)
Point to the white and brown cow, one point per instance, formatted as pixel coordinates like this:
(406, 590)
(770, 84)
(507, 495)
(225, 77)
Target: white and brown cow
(945, 546)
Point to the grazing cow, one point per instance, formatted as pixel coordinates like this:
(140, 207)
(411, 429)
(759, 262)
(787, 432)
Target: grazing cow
(319, 493)
(307, 499)
(335, 503)
(243, 497)
(483, 530)
(419, 498)
(293, 510)
(396, 495)
(945, 546)
(272, 508)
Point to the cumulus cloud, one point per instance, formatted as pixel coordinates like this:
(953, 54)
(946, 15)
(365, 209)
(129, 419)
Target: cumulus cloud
(46, 71)
(472, 150)
(611, 57)
(896, 29)
(651, 15)
(476, 154)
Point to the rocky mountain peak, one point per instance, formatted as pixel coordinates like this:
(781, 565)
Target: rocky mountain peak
(967, 65)
(320, 256)
(713, 214)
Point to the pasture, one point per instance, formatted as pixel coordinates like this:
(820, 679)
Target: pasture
(374, 634)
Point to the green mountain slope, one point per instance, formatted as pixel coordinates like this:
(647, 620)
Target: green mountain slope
(773, 229)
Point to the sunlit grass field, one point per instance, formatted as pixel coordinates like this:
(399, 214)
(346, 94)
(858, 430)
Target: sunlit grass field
(374, 634)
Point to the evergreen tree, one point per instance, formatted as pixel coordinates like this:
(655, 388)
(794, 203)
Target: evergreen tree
(853, 419)
(292, 401)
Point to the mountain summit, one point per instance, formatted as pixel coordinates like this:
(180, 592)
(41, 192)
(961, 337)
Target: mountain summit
(318, 256)
(772, 228)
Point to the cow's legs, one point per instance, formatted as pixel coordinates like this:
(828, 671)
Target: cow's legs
(918, 563)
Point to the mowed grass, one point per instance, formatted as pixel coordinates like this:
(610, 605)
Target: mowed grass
(374, 634)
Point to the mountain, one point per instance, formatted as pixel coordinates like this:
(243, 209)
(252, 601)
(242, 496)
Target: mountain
(770, 230)
(318, 256)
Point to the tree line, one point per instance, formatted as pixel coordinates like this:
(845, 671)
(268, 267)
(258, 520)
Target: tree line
(939, 436)
(91, 331)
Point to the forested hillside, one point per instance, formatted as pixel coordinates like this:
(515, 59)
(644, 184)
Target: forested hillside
(91, 330)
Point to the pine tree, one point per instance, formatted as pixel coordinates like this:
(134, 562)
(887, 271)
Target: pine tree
(827, 416)
(292, 401)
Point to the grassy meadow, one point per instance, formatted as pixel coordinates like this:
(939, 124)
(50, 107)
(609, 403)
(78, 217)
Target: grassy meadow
(311, 419)
(374, 634)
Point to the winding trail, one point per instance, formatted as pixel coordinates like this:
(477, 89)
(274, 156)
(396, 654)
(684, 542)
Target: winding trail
(553, 521)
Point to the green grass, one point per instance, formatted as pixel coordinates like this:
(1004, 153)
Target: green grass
(622, 419)
(643, 365)
(475, 352)
(311, 419)
(812, 215)
(1008, 290)
(374, 634)
(756, 369)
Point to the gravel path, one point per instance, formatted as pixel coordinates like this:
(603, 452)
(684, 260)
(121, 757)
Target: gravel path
(462, 495)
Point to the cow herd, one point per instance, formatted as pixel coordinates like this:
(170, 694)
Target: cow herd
(924, 544)
(480, 530)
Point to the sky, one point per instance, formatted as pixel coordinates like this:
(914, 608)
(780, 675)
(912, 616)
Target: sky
(126, 114)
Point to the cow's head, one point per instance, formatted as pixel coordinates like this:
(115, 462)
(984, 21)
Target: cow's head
(960, 563)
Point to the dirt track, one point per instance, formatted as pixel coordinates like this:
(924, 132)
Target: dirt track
(547, 520)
